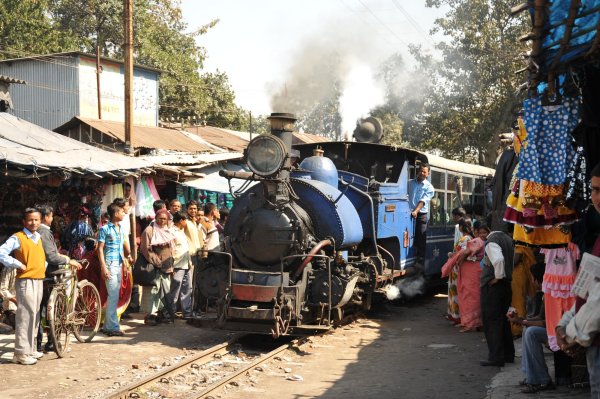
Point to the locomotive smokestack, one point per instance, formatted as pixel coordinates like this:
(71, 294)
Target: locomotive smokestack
(282, 126)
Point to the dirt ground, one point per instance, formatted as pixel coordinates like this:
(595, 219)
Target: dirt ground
(402, 350)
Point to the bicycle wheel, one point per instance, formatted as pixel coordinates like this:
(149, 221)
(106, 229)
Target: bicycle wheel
(87, 312)
(58, 311)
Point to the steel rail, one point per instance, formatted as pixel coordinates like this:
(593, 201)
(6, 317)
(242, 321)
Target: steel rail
(127, 391)
(211, 388)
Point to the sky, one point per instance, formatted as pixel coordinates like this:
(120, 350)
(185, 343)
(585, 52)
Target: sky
(264, 46)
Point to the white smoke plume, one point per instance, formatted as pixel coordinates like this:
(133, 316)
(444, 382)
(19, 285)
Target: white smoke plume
(410, 287)
(361, 94)
(339, 61)
(391, 292)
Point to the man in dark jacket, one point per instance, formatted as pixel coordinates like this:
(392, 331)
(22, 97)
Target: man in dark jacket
(54, 260)
(496, 295)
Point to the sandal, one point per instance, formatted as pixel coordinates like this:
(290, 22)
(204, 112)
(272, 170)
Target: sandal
(534, 388)
(530, 388)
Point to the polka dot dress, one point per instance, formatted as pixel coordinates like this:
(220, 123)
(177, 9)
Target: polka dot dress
(547, 152)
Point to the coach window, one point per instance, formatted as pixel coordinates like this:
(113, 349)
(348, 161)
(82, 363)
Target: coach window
(438, 211)
(452, 200)
(467, 184)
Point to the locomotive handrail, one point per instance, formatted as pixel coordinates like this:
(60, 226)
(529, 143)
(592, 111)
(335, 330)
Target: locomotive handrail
(368, 197)
(346, 185)
(328, 261)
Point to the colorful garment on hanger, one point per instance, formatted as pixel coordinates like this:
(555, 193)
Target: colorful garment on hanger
(152, 187)
(556, 236)
(534, 205)
(578, 191)
(548, 151)
(559, 277)
(144, 199)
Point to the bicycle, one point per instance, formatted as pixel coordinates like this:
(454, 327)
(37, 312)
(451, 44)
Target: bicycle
(73, 307)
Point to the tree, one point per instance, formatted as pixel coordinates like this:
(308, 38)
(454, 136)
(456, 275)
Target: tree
(220, 109)
(161, 40)
(470, 93)
(26, 29)
(92, 22)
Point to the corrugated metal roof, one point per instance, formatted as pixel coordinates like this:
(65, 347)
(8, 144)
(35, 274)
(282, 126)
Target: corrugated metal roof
(24, 143)
(9, 79)
(238, 141)
(306, 138)
(143, 136)
(191, 159)
(219, 137)
(77, 54)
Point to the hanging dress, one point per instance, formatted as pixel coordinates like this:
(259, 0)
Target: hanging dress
(558, 280)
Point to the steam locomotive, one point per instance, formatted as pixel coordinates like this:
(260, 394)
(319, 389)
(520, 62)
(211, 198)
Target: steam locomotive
(326, 229)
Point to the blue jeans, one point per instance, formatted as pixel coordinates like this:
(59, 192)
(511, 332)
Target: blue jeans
(593, 364)
(113, 286)
(533, 363)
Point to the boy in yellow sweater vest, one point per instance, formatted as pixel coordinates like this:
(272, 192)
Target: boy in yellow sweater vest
(23, 251)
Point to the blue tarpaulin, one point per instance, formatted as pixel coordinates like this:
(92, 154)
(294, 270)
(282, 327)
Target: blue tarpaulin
(583, 33)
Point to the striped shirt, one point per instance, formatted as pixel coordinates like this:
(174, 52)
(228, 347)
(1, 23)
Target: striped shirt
(113, 243)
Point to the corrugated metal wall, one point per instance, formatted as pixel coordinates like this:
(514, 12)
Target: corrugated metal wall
(49, 99)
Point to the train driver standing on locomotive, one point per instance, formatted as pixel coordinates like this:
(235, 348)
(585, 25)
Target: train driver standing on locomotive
(420, 193)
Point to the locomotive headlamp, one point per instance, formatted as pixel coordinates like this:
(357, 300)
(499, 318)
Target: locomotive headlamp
(265, 155)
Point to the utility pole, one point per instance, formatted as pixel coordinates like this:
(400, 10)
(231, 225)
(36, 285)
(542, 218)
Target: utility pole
(98, 72)
(250, 125)
(128, 22)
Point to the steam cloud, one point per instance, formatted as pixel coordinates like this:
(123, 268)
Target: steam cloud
(339, 62)
(405, 289)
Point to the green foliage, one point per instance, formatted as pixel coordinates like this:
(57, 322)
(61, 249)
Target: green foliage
(392, 126)
(469, 96)
(322, 119)
(26, 29)
(161, 41)
(220, 109)
(91, 22)
(260, 124)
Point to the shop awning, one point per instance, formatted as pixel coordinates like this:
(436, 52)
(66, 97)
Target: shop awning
(143, 136)
(213, 182)
(191, 159)
(29, 145)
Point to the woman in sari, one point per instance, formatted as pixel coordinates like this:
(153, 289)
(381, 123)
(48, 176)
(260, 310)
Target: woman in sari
(157, 246)
(469, 273)
(450, 269)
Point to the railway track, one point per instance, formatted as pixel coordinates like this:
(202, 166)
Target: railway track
(194, 373)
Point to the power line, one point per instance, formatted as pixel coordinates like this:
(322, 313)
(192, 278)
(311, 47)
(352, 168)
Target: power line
(412, 21)
(358, 15)
(382, 23)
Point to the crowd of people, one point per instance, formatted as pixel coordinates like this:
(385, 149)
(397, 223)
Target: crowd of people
(494, 286)
(509, 291)
(173, 243)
